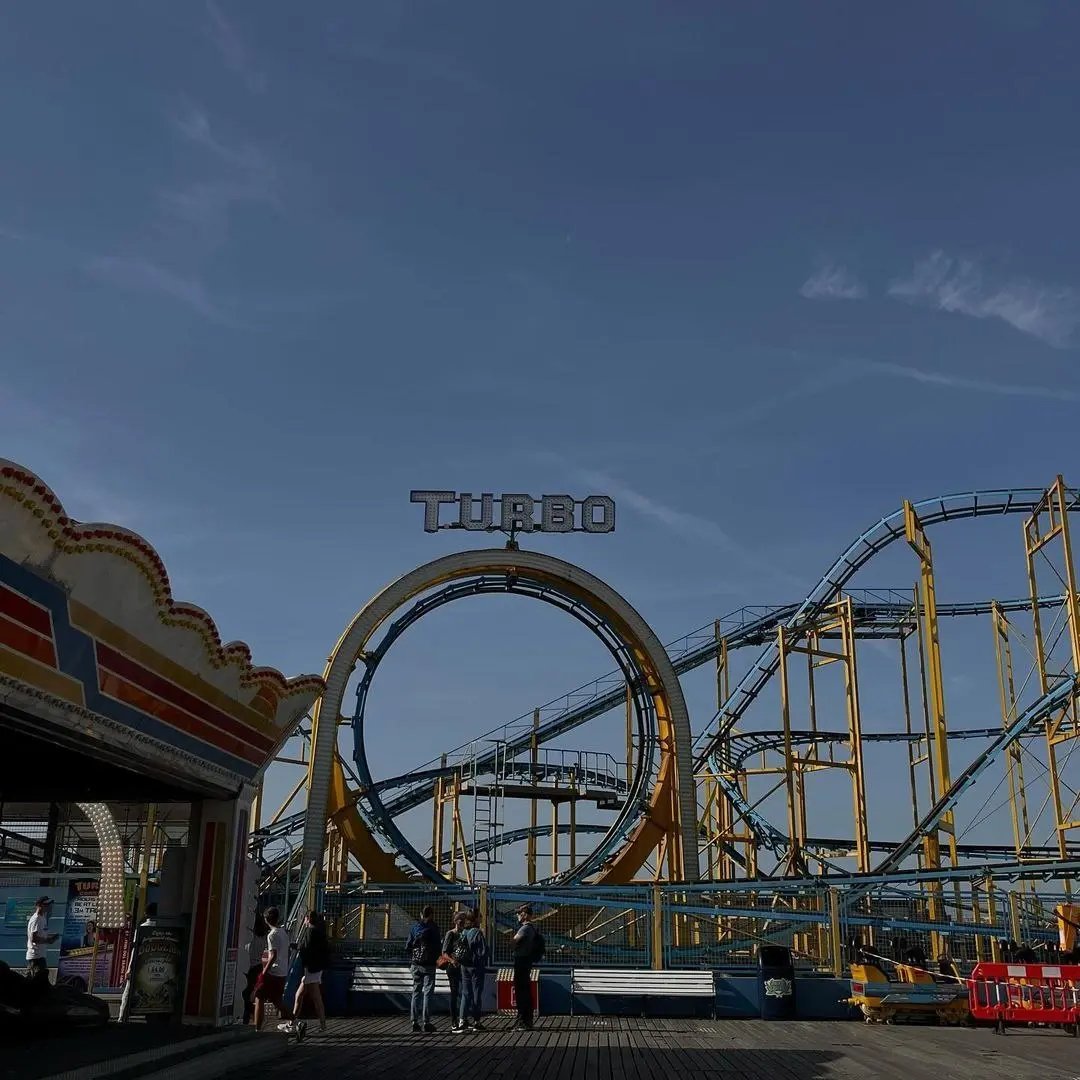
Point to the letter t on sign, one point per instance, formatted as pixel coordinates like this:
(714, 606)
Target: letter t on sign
(431, 501)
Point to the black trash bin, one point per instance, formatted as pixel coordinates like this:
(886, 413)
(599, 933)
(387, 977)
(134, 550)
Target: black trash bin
(776, 982)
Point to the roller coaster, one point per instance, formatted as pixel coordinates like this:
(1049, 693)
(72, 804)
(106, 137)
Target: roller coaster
(725, 801)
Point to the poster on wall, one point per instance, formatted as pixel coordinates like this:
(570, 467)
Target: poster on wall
(88, 951)
(80, 920)
(79, 936)
(157, 970)
(89, 954)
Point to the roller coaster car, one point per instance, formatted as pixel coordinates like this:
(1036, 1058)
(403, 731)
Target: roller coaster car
(914, 996)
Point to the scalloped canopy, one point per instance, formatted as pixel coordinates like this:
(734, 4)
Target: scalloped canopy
(87, 615)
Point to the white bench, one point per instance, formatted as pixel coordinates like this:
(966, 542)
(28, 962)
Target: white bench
(628, 982)
(377, 979)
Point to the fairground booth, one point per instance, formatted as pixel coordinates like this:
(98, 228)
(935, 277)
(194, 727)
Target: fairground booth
(132, 743)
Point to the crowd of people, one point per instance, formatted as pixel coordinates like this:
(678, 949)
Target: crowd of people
(462, 953)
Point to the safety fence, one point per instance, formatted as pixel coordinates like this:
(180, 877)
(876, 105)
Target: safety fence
(713, 926)
(1025, 994)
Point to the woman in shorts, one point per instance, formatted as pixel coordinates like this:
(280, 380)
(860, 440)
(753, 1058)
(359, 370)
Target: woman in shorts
(315, 956)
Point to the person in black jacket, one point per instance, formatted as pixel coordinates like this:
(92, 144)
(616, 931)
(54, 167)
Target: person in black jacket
(422, 948)
(315, 956)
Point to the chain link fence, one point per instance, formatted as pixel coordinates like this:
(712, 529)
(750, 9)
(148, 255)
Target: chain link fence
(705, 926)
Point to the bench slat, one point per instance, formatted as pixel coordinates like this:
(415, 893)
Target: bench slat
(391, 980)
(643, 983)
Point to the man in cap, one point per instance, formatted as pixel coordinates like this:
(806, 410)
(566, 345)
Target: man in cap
(38, 939)
(524, 941)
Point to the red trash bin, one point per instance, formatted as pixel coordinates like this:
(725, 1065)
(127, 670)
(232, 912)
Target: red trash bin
(506, 998)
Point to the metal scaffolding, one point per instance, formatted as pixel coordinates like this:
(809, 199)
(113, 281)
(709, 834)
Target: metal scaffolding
(759, 780)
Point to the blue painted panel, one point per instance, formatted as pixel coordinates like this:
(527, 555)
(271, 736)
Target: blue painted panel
(16, 905)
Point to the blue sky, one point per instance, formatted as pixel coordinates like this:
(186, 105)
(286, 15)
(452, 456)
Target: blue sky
(759, 272)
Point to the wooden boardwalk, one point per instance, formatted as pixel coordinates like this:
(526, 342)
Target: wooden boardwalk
(613, 1048)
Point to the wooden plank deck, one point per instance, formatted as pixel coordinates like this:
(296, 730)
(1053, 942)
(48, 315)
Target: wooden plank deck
(614, 1048)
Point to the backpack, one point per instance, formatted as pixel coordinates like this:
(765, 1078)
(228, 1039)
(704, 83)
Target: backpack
(424, 952)
(538, 947)
(473, 948)
(462, 950)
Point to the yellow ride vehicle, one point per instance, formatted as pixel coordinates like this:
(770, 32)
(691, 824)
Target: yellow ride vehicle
(913, 995)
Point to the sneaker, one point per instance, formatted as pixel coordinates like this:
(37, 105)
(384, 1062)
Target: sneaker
(459, 1029)
(416, 1028)
(477, 1026)
(288, 1027)
(429, 1029)
(322, 1025)
(301, 1031)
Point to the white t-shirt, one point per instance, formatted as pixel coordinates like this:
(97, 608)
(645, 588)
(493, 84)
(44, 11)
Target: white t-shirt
(278, 939)
(36, 924)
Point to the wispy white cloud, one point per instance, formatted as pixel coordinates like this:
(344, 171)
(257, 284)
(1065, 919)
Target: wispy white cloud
(205, 207)
(960, 382)
(136, 274)
(239, 172)
(248, 175)
(832, 282)
(233, 50)
(1050, 313)
(689, 526)
(8, 233)
(193, 124)
(684, 524)
(70, 462)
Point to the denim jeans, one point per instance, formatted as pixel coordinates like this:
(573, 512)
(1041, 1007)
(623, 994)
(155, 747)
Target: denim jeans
(423, 986)
(472, 980)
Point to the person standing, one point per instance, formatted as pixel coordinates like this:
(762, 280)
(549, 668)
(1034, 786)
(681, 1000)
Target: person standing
(38, 939)
(473, 970)
(451, 962)
(270, 986)
(524, 954)
(315, 956)
(259, 930)
(422, 948)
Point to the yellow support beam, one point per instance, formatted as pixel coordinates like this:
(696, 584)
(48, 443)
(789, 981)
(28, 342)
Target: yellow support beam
(1050, 522)
(934, 687)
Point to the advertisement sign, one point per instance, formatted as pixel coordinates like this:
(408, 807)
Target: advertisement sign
(157, 969)
(80, 920)
(79, 936)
